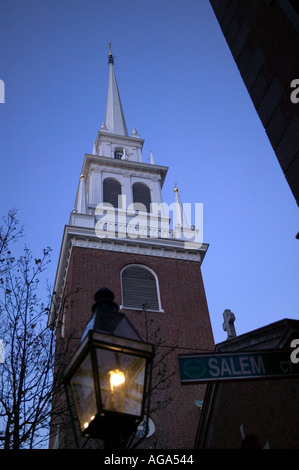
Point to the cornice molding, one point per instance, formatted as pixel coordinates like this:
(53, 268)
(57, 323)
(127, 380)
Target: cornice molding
(121, 138)
(108, 162)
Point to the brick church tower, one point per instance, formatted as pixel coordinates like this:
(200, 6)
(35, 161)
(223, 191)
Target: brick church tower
(119, 237)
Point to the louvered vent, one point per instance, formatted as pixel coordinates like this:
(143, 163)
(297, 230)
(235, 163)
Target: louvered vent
(139, 288)
(142, 195)
(111, 191)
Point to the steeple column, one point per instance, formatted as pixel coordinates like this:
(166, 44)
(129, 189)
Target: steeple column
(156, 194)
(94, 187)
(127, 189)
(136, 154)
(106, 149)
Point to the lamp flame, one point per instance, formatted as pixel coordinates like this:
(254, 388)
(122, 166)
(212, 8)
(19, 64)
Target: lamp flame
(117, 377)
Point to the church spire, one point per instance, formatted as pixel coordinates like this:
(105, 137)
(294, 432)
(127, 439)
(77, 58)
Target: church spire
(114, 118)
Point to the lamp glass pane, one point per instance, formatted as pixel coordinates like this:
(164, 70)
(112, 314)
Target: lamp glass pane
(84, 393)
(122, 379)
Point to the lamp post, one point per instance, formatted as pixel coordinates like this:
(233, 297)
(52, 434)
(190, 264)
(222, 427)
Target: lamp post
(109, 374)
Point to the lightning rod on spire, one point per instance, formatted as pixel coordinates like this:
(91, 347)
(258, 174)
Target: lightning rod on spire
(110, 57)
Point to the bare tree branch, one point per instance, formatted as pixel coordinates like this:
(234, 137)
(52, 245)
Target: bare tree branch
(27, 375)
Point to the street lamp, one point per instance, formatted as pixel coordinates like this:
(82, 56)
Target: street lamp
(109, 375)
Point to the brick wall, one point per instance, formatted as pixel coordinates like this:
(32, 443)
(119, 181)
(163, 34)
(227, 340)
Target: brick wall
(264, 44)
(266, 409)
(184, 324)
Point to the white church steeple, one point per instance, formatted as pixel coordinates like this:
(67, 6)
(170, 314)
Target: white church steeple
(114, 172)
(119, 195)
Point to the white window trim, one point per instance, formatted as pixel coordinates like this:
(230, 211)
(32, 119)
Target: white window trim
(122, 307)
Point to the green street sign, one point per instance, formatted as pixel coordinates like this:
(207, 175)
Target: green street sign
(218, 367)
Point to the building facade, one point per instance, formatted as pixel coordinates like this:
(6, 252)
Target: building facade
(119, 236)
(254, 414)
(263, 37)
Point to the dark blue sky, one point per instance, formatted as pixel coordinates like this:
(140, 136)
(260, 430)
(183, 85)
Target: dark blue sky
(181, 89)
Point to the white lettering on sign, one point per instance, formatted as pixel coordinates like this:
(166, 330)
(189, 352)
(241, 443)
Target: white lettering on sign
(286, 366)
(258, 367)
(213, 363)
(245, 365)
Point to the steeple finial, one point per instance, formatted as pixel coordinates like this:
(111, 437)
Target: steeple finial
(152, 158)
(110, 57)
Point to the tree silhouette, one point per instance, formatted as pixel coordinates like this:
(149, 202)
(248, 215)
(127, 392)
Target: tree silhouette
(27, 378)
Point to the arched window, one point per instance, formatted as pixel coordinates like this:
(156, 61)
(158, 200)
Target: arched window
(111, 191)
(139, 288)
(141, 195)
